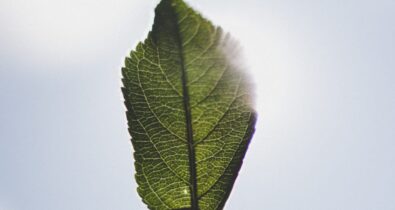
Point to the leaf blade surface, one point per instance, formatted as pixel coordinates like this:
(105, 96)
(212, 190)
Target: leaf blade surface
(189, 111)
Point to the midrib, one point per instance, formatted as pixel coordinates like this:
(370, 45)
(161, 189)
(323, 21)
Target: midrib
(188, 117)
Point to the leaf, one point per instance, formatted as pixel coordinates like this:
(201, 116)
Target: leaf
(189, 111)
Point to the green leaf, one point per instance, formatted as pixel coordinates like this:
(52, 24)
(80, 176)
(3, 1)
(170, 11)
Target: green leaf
(189, 111)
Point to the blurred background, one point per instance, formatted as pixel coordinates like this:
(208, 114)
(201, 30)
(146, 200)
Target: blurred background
(325, 85)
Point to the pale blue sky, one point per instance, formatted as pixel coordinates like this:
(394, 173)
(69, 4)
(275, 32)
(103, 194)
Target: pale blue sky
(325, 78)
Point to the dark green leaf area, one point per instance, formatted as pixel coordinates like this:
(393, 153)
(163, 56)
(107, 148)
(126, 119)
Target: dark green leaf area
(186, 67)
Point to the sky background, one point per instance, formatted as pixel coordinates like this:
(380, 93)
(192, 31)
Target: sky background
(325, 84)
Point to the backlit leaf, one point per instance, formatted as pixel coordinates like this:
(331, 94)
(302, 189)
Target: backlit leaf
(189, 110)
